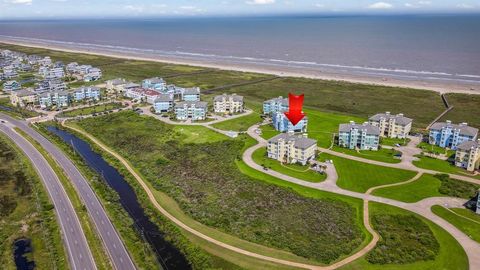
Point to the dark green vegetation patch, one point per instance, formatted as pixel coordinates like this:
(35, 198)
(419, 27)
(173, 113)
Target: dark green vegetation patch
(456, 188)
(205, 181)
(404, 239)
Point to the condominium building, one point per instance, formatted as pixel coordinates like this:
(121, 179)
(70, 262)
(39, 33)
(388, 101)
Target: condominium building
(191, 94)
(274, 105)
(228, 104)
(115, 85)
(144, 95)
(281, 123)
(446, 134)
(23, 98)
(358, 136)
(163, 103)
(86, 92)
(155, 83)
(392, 126)
(11, 86)
(467, 155)
(291, 148)
(195, 110)
(48, 99)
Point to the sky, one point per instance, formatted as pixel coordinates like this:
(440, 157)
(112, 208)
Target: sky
(25, 9)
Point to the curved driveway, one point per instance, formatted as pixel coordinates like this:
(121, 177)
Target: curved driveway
(79, 254)
(422, 207)
(113, 244)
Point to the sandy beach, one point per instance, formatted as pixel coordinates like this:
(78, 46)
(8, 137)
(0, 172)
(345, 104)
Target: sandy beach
(283, 71)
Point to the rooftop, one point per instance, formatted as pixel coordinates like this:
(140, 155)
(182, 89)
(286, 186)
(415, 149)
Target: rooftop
(468, 145)
(463, 128)
(198, 104)
(279, 99)
(235, 97)
(369, 129)
(399, 118)
(299, 141)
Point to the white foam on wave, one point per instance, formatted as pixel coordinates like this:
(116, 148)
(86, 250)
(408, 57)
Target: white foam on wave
(293, 63)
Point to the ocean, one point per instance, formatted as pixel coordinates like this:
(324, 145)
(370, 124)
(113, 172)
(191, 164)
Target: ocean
(435, 47)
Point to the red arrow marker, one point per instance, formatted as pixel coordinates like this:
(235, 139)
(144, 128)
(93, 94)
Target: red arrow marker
(295, 113)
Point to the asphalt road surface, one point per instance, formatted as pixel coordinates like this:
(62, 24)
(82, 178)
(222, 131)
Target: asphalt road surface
(78, 251)
(119, 256)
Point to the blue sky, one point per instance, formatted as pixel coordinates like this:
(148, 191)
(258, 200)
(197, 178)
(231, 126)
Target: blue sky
(166, 8)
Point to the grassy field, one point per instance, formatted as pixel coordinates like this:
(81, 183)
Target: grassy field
(359, 176)
(383, 154)
(8, 108)
(445, 166)
(26, 212)
(92, 109)
(293, 170)
(216, 78)
(429, 186)
(239, 124)
(407, 243)
(201, 177)
(465, 109)
(430, 148)
(462, 221)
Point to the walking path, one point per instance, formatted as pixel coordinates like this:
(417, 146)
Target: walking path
(422, 207)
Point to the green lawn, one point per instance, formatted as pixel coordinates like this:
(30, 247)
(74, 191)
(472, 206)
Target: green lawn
(293, 170)
(216, 78)
(393, 141)
(93, 109)
(430, 148)
(208, 186)
(8, 108)
(450, 256)
(383, 154)
(268, 132)
(240, 123)
(445, 166)
(198, 134)
(462, 221)
(359, 176)
(429, 186)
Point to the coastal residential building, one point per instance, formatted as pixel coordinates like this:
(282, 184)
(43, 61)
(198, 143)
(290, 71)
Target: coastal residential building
(228, 104)
(123, 88)
(143, 95)
(155, 83)
(86, 93)
(59, 99)
(191, 94)
(467, 155)
(34, 59)
(274, 105)
(359, 136)
(23, 98)
(46, 61)
(195, 110)
(115, 85)
(93, 74)
(51, 85)
(11, 86)
(392, 126)
(51, 73)
(446, 134)
(163, 103)
(291, 148)
(281, 123)
(10, 74)
(71, 68)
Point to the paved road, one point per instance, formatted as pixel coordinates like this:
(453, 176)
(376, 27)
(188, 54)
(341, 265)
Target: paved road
(113, 244)
(422, 207)
(79, 254)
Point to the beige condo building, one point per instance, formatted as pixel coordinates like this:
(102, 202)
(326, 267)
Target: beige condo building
(392, 126)
(291, 148)
(22, 98)
(467, 155)
(228, 104)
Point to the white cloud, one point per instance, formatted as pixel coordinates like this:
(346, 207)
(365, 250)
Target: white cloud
(318, 5)
(134, 8)
(260, 2)
(381, 5)
(424, 3)
(20, 2)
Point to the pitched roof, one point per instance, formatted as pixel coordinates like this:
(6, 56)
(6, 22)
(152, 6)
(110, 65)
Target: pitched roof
(164, 98)
(225, 96)
(464, 128)
(155, 80)
(468, 145)
(198, 104)
(399, 118)
(191, 91)
(279, 99)
(299, 141)
(369, 129)
(24, 93)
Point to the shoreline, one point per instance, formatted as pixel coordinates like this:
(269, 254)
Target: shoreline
(281, 71)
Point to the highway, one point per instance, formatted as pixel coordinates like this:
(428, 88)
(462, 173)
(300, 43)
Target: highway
(79, 254)
(114, 246)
